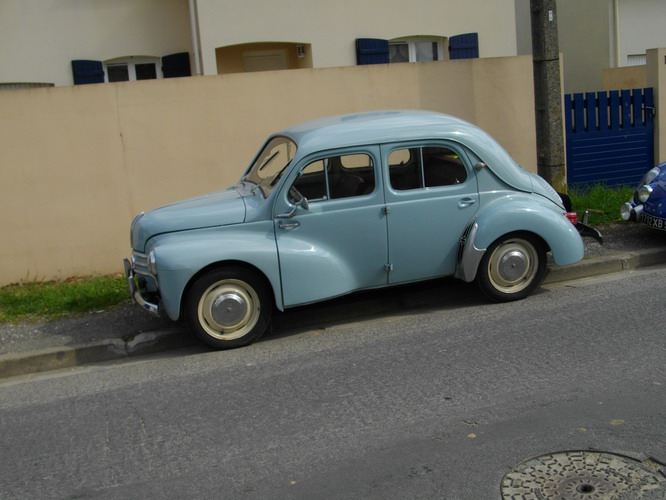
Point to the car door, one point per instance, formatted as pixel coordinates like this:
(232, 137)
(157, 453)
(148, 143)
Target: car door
(339, 242)
(431, 196)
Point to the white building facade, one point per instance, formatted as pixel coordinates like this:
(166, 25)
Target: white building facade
(62, 42)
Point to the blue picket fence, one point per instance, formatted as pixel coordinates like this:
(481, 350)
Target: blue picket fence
(609, 136)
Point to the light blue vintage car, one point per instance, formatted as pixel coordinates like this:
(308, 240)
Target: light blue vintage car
(349, 203)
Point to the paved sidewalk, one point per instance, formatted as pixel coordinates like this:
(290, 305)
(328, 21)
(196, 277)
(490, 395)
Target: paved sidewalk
(128, 331)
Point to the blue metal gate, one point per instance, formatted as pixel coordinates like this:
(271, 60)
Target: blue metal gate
(609, 136)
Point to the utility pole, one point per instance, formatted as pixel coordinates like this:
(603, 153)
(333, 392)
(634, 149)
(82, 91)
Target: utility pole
(548, 94)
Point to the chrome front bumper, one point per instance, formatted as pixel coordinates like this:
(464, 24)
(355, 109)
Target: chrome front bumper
(134, 290)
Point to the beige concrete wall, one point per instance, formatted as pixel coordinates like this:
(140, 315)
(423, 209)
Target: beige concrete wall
(656, 78)
(627, 77)
(77, 163)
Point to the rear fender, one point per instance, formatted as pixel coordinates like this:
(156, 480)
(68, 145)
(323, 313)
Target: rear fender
(519, 214)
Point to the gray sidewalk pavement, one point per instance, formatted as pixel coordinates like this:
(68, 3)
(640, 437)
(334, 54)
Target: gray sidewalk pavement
(128, 331)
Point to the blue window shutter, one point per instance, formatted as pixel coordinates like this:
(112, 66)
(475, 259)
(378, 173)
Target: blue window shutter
(87, 72)
(372, 51)
(465, 46)
(176, 65)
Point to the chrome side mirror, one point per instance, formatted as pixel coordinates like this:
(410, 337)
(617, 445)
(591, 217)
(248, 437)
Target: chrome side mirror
(303, 203)
(298, 200)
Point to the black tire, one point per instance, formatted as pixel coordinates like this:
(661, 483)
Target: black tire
(512, 267)
(228, 307)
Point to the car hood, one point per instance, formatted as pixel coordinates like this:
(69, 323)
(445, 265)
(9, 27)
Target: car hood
(215, 209)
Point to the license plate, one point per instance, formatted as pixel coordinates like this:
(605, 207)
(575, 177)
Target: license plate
(654, 222)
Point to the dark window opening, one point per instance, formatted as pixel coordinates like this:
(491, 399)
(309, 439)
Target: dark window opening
(146, 71)
(118, 73)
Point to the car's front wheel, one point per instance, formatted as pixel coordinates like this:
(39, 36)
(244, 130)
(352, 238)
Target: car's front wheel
(512, 267)
(228, 307)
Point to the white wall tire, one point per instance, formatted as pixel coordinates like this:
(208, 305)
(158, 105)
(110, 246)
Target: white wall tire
(512, 267)
(228, 307)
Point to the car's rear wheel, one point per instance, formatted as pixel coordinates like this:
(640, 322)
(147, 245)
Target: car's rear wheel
(512, 267)
(228, 307)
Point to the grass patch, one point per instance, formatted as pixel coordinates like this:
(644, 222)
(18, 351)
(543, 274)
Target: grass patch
(56, 299)
(603, 202)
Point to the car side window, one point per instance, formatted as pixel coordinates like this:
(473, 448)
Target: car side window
(431, 166)
(337, 177)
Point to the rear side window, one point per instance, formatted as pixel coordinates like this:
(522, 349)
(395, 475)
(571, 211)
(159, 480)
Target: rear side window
(422, 167)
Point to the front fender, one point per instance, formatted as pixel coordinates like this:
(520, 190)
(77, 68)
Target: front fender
(525, 214)
(181, 256)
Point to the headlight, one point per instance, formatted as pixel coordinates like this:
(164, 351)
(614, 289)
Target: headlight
(625, 211)
(650, 176)
(644, 193)
(152, 263)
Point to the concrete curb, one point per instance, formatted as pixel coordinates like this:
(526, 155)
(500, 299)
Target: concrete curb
(607, 265)
(57, 358)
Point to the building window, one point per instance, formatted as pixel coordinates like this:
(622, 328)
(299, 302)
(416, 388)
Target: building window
(146, 71)
(426, 51)
(416, 49)
(117, 73)
(399, 52)
(636, 60)
(129, 69)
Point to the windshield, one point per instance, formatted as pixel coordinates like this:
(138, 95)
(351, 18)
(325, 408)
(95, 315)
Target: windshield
(271, 163)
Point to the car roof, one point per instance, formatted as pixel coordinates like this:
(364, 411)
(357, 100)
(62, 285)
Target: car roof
(387, 126)
(373, 127)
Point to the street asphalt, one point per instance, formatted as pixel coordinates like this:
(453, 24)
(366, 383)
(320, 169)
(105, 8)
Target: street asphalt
(128, 331)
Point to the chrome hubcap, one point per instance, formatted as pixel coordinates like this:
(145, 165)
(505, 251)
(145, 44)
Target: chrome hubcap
(513, 265)
(229, 309)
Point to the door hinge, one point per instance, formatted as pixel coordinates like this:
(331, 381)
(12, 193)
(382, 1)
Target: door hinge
(388, 267)
(387, 210)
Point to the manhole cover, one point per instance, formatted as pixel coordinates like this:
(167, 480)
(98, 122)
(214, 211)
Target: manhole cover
(584, 475)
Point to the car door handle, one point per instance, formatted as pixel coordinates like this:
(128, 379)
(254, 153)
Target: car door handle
(466, 202)
(288, 225)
